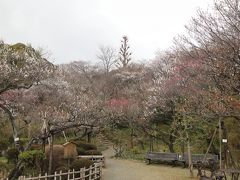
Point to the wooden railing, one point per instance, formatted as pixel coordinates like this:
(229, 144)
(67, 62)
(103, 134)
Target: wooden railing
(94, 172)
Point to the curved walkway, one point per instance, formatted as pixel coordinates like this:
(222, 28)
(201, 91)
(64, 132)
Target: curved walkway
(118, 169)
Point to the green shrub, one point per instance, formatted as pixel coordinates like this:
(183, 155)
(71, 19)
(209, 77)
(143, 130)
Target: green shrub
(36, 147)
(93, 152)
(31, 158)
(81, 163)
(3, 144)
(80, 151)
(4, 166)
(11, 140)
(12, 154)
(3, 159)
(85, 146)
(135, 150)
(24, 141)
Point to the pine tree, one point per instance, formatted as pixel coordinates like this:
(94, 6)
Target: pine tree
(124, 54)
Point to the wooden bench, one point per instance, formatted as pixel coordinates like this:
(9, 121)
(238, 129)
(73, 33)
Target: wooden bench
(164, 157)
(94, 158)
(175, 157)
(199, 158)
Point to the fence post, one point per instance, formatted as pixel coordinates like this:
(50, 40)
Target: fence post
(68, 175)
(80, 173)
(83, 173)
(95, 171)
(73, 174)
(55, 175)
(90, 172)
(100, 169)
(60, 175)
(39, 176)
(45, 176)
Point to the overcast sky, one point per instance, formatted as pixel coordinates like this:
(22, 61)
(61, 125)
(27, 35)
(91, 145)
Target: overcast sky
(74, 29)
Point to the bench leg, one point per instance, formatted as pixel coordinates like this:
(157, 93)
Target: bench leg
(174, 163)
(148, 161)
(184, 164)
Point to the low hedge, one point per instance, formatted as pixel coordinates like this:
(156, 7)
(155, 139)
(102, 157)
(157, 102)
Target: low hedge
(62, 168)
(3, 144)
(32, 157)
(81, 163)
(81, 151)
(4, 166)
(93, 152)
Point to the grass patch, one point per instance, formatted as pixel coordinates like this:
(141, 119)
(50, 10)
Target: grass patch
(3, 160)
(129, 155)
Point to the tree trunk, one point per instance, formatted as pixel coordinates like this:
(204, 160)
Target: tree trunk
(190, 165)
(182, 148)
(12, 121)
(171, 147)
(224, 136)
(170, 144)
(50, 155)
(228, 158)
(89, 135)
(29, 130)
(131, 138)
(151, 144)
(141, 144)
(220, 142)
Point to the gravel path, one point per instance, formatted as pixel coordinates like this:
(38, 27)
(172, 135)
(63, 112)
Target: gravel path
(118, 169)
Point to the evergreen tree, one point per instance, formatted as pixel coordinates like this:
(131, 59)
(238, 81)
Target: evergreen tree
(124, 53)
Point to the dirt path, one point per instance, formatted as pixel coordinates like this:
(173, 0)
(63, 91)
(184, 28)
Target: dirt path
(117, 169)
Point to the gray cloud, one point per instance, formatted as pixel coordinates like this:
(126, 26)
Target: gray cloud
(74, 29)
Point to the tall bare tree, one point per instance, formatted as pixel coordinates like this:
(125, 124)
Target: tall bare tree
(108, 57)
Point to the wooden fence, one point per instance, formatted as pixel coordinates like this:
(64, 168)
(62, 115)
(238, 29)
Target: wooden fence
(3, 174)
(94, 172)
